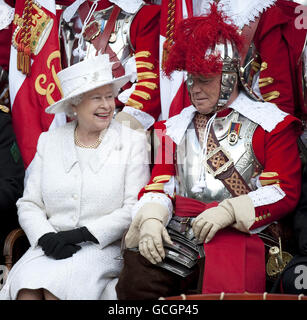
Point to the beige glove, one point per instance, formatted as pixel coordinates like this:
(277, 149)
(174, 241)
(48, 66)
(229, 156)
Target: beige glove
(139, 230)
(152, 234)
(128, 120)
(238, 212)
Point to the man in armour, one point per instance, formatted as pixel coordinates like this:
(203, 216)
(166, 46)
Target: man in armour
(227, 167)
(272, 58)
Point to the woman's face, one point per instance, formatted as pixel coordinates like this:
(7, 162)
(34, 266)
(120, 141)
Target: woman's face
(96, 109)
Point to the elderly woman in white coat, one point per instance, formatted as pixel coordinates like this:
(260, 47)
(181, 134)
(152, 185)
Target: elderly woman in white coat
(77, 201)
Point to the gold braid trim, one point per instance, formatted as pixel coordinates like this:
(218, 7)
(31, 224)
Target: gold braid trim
(271, 95)
(263, 82)
(269, 182)
(142, 54)
(19, 21)
(161, 178)
(264, 66)
(143, 64)
(147, 75)
(142, 94)
(269, 174)
(149, 85)
(135, 104)
(4, 108)
(170, 25)
(255, 66)
(154, 186)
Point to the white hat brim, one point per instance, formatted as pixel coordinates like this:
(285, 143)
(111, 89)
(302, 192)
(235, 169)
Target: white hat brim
(63, 104)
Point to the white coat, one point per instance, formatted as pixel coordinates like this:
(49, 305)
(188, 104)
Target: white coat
(60, 196)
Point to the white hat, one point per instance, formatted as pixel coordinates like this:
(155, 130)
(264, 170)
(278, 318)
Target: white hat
(85, 76)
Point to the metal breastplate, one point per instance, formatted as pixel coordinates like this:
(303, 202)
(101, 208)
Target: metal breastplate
(188, 159)
(119, 39)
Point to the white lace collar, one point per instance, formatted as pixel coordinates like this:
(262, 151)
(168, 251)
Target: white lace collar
(6, 14)
(265, 114)
(176, 126)
(242, 12)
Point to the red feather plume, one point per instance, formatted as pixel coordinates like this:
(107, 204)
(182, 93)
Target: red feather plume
(192, 38)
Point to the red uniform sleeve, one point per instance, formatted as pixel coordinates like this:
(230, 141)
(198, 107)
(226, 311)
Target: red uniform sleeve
(144, 35)
(164, 167)
(280, 45)
(277, 152)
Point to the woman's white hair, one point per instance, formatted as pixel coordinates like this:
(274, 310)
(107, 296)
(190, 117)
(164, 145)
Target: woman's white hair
(74, 101)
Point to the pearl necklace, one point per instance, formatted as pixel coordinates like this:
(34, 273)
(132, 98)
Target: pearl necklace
(91, 146)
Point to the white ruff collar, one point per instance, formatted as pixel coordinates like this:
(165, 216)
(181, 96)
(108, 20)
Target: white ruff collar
(242, 12)
(265, 114)
(176, 126)
(6, 14)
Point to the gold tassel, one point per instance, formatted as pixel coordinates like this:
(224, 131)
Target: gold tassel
(166, 49)
(20, 56)
(27, 60)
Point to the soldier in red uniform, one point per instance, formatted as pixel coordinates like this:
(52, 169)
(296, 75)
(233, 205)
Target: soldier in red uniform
(274, 49)
(279, 58)
(227, 163)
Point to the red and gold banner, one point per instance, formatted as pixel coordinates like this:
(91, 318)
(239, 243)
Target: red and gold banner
(34, 63)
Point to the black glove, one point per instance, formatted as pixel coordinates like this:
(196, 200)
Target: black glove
(76, 236)
(53, 246)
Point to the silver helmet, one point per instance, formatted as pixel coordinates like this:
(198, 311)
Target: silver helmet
(231, 62)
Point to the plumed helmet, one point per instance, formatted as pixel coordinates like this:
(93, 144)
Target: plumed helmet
(207, 45)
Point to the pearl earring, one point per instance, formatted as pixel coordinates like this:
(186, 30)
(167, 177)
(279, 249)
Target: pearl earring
(75, 114)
